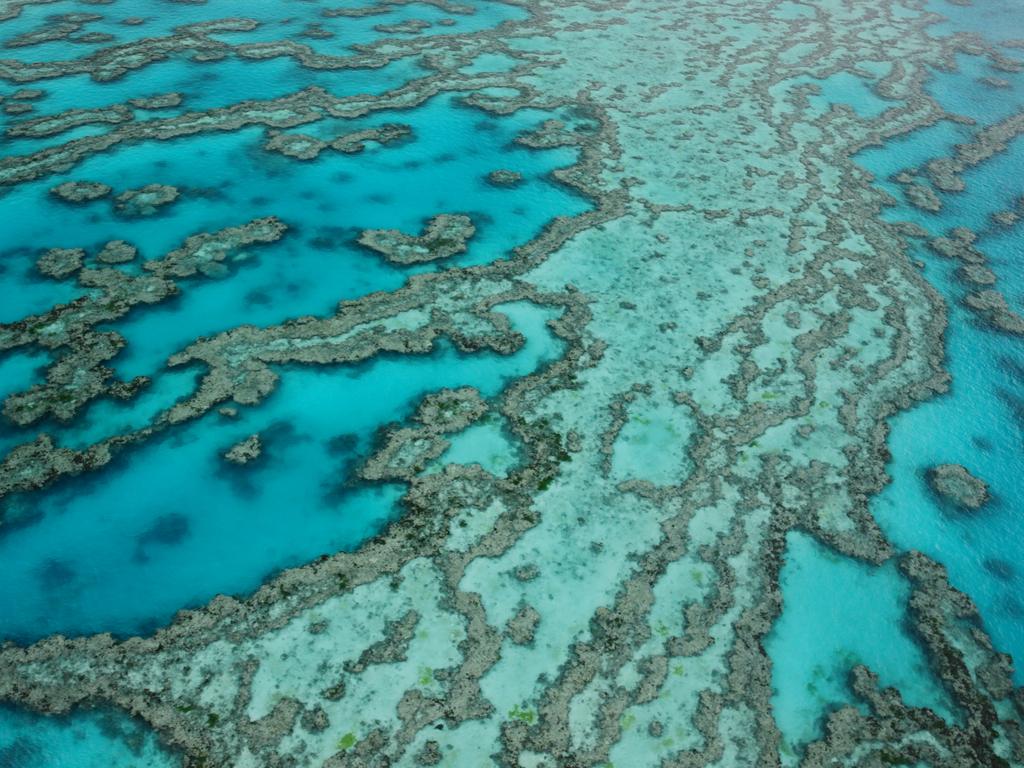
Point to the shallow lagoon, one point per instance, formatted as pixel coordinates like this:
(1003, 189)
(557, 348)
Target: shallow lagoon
(839, 613)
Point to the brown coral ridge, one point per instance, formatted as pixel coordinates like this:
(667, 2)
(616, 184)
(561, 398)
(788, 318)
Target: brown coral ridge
(404, 451)
(117, 252)
(444, 236)
(247, 450)
(240, 363)
(444, 55)
(355, 141)
(60, 263)
(307, 106)
(145, 201)
(159, 101)
(988, 305)
(56, 27)
(993, 308)
(115, 61)
(37, 464)
(80, 191)
(52, 125)
(300, 146)
(503, 177)
(957, 485)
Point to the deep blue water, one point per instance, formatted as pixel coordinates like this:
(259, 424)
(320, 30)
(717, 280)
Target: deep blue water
(83, 740)
(978, 423)
(124, 549)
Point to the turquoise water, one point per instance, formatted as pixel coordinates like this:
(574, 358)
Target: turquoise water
(82, 740)
(996, 20)
(95, 560)
(839, 613)
(125, 548)
(977, 424)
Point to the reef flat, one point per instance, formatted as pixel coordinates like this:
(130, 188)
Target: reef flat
(510, 383)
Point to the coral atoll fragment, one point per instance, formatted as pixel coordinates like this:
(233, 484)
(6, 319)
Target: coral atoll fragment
(954, 483)
(244, 451)
(146, 200)
(80, 191)
(445, 235)
(504, 178)
(61, 262)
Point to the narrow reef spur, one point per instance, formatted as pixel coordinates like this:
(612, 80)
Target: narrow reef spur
(736, 322)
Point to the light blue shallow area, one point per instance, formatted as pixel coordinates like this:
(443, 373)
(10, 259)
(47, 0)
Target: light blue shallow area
(81, 740)
(838, 613)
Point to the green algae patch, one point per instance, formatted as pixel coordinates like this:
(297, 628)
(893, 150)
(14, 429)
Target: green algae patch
(346, 742)
(522, 715)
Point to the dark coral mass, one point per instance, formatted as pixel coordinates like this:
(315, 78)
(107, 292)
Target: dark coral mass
(512, 383)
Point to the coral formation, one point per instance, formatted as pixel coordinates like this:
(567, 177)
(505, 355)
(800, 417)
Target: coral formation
(245, 451)
(444, 235)
(145, 201)
(955, 483)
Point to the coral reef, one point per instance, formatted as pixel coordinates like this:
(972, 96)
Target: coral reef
(504, 178)
(732, 284)
(145, 201)
(80, 191)
(954, 483)
(444, 236)
(245, 451)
